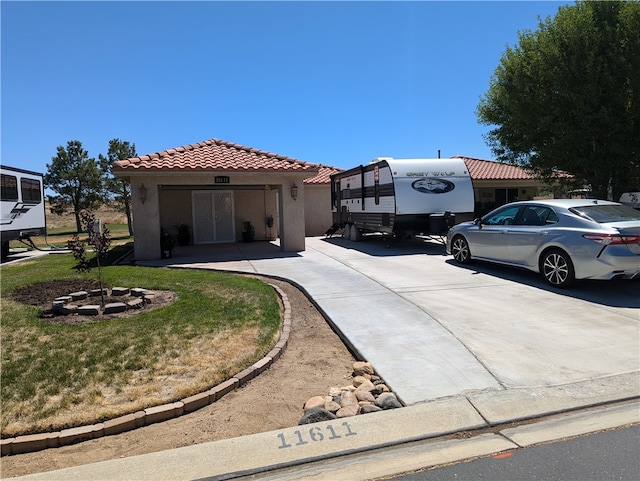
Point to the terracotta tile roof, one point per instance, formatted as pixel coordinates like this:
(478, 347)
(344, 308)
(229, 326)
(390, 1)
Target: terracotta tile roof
(324, 175)
(481, 169)
(212, 156)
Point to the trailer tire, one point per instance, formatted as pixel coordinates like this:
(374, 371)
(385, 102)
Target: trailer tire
(5, 249)
(347, 231)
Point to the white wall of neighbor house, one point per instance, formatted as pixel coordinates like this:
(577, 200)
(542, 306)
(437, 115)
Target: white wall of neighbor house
(317, 209)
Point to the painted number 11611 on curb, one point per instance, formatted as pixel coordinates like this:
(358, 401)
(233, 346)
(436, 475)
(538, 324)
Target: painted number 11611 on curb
(316, 434)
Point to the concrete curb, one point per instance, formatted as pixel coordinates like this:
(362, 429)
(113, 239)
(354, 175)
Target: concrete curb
(317, 450)
(37, 442)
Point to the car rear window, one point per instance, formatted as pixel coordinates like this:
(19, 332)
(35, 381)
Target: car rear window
(607, 213)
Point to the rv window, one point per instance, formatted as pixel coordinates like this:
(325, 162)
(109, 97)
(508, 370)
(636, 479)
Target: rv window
(30, 190)
(9, 187)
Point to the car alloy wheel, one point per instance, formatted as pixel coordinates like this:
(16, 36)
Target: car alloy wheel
(460, 250)
(557, 268)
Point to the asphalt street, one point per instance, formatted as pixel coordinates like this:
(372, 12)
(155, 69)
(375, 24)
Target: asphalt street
(605, 456)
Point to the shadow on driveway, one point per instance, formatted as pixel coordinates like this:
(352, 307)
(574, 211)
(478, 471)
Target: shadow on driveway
(376, 245)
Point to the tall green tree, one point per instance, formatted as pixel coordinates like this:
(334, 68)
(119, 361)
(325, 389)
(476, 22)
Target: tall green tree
(76, 179)
(567, 97)
(118, 189)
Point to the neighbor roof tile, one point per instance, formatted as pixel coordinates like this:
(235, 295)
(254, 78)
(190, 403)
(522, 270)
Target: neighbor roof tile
(481, 169)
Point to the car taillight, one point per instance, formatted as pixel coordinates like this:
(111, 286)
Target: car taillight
(610, 239)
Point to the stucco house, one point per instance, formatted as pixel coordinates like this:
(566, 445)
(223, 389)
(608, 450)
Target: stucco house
(496, 183)
(216, 187)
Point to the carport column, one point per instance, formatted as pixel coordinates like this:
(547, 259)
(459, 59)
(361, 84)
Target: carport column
(146, 219)
(291, 229)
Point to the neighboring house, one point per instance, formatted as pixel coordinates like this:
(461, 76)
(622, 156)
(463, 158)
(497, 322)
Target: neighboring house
(215, 187)
(495, 183)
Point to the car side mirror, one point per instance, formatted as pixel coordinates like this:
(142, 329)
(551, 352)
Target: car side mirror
(478, 222)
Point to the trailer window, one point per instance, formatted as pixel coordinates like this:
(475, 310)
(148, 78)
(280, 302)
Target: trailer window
(9, 187)
(30, 190)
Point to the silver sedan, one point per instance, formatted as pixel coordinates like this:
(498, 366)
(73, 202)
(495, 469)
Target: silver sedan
(563, 239)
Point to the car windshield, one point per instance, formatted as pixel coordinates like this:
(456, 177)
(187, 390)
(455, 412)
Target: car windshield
(607, 213)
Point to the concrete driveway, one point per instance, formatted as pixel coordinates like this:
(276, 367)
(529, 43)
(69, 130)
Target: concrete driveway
(434, 329)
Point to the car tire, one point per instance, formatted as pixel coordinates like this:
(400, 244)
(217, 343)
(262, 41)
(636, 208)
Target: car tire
(557, 268)
(460, 250)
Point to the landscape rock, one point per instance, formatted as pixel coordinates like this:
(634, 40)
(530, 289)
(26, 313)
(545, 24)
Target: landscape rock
(78, 296)
(366, 386)
(332, 406)
(136, 303)
(314, 402)
(348, 399)
(361, 368)
(366, 394)
(388, 400)
(89, 310)
(347, 411)
(370, 408)
(363, 395)
(69, 309)
(114, 307)
(316, 415)
(380, 388)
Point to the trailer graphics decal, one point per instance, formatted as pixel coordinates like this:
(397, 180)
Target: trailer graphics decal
(18, 210)
(430, 185)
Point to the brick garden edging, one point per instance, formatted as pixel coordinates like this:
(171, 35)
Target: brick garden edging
(37, 442)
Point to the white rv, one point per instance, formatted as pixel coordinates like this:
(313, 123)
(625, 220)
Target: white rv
(402, 197)
(22, 213)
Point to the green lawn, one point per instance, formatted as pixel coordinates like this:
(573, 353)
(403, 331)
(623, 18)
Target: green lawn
(56, 376)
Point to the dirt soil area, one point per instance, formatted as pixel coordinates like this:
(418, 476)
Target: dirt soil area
(315, 360)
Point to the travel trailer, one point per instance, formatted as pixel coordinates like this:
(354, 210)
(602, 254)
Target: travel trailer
(22, 205)
(402, 197)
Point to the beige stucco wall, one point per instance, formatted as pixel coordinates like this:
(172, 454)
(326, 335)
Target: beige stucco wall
(317, 209)
(165, 207)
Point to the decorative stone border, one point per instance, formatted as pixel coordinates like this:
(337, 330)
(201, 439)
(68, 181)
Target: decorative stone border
(37, 442)
(65, 305)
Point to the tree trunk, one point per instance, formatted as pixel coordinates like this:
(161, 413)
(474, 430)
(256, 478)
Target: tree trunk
(76, 213)
(127, 211)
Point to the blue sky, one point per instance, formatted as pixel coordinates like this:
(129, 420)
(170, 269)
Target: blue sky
(336, 83)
